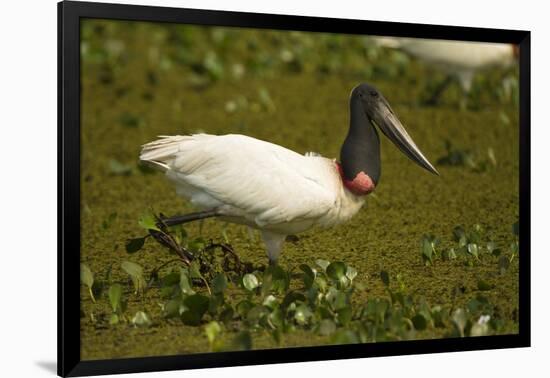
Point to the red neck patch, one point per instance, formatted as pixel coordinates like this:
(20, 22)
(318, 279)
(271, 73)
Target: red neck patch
(361, 185)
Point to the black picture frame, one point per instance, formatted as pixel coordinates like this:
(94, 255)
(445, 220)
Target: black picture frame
(69, 16)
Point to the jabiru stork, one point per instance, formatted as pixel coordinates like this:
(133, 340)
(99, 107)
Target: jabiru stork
(459, 60)
(278, 191)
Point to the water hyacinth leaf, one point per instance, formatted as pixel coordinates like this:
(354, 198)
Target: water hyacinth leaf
(492, 248)
(215, 302)
(195, 306)
(172, 308)
(194, 270)
(148, 222)
(460, 319)
(479, 330)
(419, 321)
(385, 277)
(475, 234)
(309, 275)
(458, 233)
(115, 297)
(277, 279)
(336, 298)
(87, 278)
(170, 279)
(267, 282)
(134, 245)
(169, 291)
(302, 314)
(473, 250)
(250, 282)
(323, 264)
(514, 247)
(351, 273)
(185, 282)
(141, 319)
(474, 305)
(212, 331)
(321, 283)
(226, 314)
(86, 275)
(135, 272)
(427, 250)
(292, 297)
(336, 270)
(276, 318)
(219, 283)
(481, 327)
(452, 253)
(270, 301)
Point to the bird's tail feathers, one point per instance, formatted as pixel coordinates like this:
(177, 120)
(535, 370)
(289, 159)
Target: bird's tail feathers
(159, 153)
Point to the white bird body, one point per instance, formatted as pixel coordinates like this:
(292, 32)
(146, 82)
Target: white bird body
(459, 58)
(278, 191)
(255, 183)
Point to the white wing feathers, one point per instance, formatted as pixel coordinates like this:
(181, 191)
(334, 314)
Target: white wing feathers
(246, 177)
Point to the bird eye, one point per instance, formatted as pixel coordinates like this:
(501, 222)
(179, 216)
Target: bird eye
(374, 94)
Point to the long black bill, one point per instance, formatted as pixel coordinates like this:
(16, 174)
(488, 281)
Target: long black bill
(394, 130)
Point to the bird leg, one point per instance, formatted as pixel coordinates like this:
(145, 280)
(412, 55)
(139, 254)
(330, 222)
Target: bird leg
(180, 219)
(273, 243)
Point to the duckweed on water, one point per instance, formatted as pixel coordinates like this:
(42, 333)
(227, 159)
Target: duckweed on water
(320, 298)
(385, 282)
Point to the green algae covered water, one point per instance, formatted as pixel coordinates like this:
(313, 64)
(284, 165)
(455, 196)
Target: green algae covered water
(141, 80)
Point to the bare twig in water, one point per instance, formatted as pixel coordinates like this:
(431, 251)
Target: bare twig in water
(163, 237)
(167, 240)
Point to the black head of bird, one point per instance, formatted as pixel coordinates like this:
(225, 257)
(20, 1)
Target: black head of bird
(360, 153)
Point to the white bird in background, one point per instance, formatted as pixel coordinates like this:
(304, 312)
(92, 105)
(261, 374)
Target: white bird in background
(278, 191)
(458, 59)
